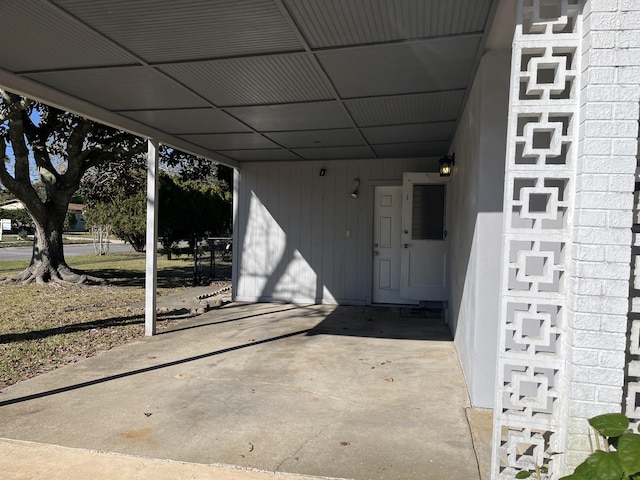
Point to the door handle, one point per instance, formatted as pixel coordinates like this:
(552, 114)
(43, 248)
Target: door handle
(375, 254)
(406, 245)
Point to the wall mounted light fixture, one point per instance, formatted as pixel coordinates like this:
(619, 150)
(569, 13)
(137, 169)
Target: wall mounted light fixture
(446, 164)
(322, 172)
(356, 192)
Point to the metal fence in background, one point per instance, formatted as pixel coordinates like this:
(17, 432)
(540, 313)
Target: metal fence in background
(212, 260)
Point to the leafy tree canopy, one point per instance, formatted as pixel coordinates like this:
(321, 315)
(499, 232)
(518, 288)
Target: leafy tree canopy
(46, 153)
(187, 208)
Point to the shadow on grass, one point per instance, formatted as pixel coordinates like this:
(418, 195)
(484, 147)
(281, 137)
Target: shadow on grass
(80, 327)
(168, 277)
(75, 327)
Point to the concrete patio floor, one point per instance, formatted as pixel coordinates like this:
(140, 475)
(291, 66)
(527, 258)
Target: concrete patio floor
(345, 392)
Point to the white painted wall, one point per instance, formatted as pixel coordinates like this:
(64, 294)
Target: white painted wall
(476, 197)
(291, 229)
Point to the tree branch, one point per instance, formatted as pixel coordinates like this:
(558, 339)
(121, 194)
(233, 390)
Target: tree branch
(37, 137)
(20, 183)
(75, 154)
(13, 105)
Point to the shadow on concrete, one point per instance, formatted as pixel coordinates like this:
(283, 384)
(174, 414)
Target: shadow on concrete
(220, 322)
(342, 392)
(385, 322)
(145, 370)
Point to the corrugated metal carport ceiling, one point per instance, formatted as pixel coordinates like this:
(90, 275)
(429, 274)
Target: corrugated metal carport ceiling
(252, 80)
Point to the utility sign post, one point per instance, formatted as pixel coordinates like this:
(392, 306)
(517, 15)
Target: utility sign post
(5, 224)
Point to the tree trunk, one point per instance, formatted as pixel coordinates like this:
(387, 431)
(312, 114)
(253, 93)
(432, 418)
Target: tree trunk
(47, 260)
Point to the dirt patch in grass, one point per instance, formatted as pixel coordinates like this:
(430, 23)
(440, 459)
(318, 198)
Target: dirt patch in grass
(44, 327)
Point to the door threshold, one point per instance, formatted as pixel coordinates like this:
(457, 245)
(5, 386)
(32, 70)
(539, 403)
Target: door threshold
(396, 305)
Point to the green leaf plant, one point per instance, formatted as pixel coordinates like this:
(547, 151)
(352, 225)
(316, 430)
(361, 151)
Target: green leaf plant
(539, 471)
(616, 455)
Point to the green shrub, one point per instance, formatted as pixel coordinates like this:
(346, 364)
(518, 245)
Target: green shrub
(618, 458)
(616, 455)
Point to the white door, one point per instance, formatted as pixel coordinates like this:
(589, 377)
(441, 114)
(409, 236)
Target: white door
(387, 227)
(424, 244)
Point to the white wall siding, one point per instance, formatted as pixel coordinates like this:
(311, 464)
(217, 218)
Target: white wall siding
(476, 241)
(291, 229)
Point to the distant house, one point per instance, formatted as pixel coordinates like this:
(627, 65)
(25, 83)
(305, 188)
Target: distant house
(75, 208)
(12, 205)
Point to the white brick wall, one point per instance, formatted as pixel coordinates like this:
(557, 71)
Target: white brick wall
(581, 296)
(603, 216)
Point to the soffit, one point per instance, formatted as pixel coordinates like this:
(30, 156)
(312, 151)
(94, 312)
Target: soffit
(251, 80)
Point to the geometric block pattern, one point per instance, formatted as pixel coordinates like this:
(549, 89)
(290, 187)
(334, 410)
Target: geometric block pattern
(521, 448)
(632, 377)
(532, 329)
(542, 141)
(529, 392)
(540, 17)
(539, 203)
(535, 266)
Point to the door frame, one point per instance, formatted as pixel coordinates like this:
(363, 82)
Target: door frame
(428, 291)
(392, 298)
(433, 177)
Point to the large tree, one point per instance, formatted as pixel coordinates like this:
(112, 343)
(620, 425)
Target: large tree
(62, 147)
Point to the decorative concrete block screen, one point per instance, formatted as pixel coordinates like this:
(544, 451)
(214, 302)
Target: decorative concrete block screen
(632, 383)
(539, 185)
(568, 340)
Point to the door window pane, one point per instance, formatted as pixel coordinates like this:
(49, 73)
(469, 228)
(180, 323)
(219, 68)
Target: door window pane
(428, 212)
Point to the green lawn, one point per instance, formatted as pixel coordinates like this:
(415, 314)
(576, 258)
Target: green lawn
(43, 326)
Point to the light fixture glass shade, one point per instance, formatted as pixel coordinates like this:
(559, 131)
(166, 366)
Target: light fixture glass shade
(356, 182)
(446, 165)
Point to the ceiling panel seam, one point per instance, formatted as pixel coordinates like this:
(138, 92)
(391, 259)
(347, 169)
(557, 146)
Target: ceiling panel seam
(97, 32)
(142, 63)
(64, 101)
(295, 27)
(146, 64)
(409, 42)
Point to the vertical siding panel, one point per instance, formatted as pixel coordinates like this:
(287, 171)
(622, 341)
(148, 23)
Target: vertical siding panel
(305, 218)
(239, 230)
(275, 249)
(250, 267)
(365, 232)
(365, 235)
(283, 232)
(343, 187)
(261, 234)
(295, 281)
(317, 230)
(351, 256)
(328, 220)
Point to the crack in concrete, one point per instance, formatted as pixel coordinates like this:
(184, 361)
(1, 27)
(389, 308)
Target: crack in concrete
(304, 444)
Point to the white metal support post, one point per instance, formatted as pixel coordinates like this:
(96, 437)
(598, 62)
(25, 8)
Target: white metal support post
(151, 276)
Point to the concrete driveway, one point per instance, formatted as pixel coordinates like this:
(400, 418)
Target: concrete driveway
(346, 392)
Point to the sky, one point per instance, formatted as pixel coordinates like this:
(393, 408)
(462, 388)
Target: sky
(35, 117)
